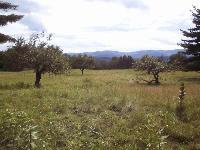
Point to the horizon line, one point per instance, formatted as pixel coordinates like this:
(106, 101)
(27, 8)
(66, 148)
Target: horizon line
(125, 51)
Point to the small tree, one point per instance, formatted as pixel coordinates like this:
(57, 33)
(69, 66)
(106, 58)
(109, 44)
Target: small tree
(38, 54)
(82, 62)
(5, 19)
(192, 43)
(151, 65)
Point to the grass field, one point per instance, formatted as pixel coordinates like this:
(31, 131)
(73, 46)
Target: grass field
(99, 110)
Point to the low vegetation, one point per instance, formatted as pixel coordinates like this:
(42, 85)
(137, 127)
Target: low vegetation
(100, 110)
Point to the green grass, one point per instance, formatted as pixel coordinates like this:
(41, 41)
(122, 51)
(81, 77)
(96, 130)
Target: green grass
(99, 110)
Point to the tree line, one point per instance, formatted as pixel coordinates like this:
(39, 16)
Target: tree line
(122, 62)
(11, 60)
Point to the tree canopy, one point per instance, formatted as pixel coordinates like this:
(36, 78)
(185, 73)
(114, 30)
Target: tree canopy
(122, 62)
(38, 54)
(82, 62)
(153, 66)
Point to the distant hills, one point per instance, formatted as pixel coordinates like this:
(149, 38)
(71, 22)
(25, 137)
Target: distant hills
(108, 54)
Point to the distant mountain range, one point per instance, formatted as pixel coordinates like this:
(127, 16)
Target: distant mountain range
(107, 54)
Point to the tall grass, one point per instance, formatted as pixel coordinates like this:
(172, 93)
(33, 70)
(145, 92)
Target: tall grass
(100, 110)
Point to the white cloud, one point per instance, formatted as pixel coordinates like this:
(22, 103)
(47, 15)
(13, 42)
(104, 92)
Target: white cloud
(90, 25)
(127, 3)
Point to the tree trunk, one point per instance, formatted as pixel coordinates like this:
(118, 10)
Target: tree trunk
(156, 77)
(82, 69)
(38, 75)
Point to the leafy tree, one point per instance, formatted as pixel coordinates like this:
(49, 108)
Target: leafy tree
(5, 19)
(192, 42)
(2, 56)
(101, 64)
(153, 66)
(114, 63)
(38, 54)
(179, 60)
(82, 62)
(13, 59)
(125, 62)
(122, 62)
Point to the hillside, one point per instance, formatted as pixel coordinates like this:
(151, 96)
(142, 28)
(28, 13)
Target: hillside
(107, 54)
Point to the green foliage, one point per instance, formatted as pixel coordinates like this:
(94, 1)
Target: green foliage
(15, 58)
(153, 66)
(180, 109)
(122, 62)
(9, 18)
(88, 62)
(2, 62)
(150, 64)
(192, 42)
(179, 60)
(150, 135)
(39, 55)
(36, 53)
(6, 5)
(16, 130)
(192, 64)
(5, 19)
(81, 62)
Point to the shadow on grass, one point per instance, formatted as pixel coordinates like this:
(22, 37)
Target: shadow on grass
(18, 85)
(149, 84)
(189, 79)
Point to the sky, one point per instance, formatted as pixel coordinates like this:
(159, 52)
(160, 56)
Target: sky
(96, 25)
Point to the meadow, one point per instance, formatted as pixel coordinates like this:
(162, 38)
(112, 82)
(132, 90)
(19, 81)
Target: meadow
(103, 109)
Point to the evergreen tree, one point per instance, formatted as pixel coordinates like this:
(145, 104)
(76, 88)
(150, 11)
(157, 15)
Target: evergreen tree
(5, 19)
(192, 43)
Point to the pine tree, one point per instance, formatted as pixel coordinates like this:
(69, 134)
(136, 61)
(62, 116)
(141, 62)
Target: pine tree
(5, 19)
(192, 43)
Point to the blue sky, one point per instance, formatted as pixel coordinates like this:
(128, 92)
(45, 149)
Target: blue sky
(95, 25)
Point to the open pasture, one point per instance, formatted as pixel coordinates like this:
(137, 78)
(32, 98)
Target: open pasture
(103, 109)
